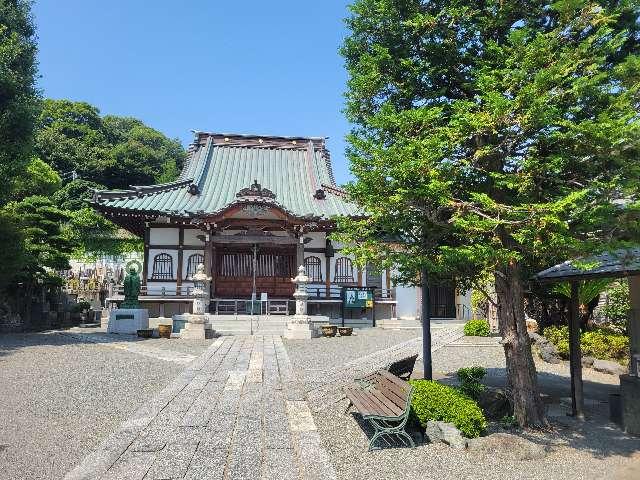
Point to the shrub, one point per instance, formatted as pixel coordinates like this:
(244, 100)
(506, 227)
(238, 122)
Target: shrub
(477, 328)
(80, 307)
(599, 343)
(616, 309)
(434, 401)
(470, 381)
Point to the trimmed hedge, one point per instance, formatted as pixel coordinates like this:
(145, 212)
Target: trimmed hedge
(435, 401)
(597, 343)
(477, 328)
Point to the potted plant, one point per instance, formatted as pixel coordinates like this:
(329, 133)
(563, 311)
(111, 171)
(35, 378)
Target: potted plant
(345, 331)
(329, 330)
(164, 331)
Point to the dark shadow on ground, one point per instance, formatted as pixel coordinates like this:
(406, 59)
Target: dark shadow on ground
(10, 342)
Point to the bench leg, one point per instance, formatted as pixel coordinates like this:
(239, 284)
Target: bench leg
(383, 427)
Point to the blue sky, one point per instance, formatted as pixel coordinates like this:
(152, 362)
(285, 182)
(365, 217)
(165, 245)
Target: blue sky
(269, 67)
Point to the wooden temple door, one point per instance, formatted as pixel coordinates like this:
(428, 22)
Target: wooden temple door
(275, 266)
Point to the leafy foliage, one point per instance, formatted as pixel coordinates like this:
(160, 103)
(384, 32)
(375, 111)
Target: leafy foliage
(434, 401)
(45, 246)
(37, 179)
(19, 98)
(469, 378)
(75, 195)
(12, 256)
(497, 137)
(598, 343)
(477, 328)
(617, 306)
(587, 291)
(94, 235)
(112, 151)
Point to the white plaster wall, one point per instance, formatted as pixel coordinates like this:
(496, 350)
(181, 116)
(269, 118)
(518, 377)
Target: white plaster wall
(191, 236)
(174, 257)
(163, 236)
(318, 240)
(155, 288)
(406, 302)
(463, 305)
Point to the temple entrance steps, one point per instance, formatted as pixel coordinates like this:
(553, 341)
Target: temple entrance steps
(410, 323)
(398, 323)
(248, 324)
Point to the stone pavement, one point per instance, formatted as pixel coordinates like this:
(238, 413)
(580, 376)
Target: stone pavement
(236, 412)
(325, 387)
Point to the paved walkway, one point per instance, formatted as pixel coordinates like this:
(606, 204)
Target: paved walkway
(236, 412)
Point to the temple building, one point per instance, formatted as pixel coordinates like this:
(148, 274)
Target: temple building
(252, 209)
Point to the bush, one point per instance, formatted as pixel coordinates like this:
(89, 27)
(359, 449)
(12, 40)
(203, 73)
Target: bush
(80, 307)
(434, 401)
(598, 343)
(617, 306)
(477, 328)
(470, 381)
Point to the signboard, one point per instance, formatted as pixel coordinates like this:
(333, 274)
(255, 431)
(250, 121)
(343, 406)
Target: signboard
(357, 298)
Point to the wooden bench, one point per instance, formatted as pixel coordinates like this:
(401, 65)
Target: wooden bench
(403, 368)
(383, 400)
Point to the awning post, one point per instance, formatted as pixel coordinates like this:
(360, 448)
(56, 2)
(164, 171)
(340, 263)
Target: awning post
(575, 354)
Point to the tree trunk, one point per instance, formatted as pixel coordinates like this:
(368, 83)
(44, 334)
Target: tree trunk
(522, 380)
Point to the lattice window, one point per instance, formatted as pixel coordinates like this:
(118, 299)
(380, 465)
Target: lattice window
(162, 267)
(344, 271)
(374, 276)
(267, 265)
(192, 264)
(313, 267)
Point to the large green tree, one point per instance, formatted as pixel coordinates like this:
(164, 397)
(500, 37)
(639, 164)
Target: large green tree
(112, 151)
(493, 137)
(18, 95)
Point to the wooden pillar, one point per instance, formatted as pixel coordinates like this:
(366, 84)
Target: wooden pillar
(359, 277)
(299, 253)
(327, 276)
(634, 321)
(180, 260)
(213, 271)
(145, 261)
(575, 355)
(207, 255)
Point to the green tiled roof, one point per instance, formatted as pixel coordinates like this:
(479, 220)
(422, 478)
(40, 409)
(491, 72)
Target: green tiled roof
(219, 166)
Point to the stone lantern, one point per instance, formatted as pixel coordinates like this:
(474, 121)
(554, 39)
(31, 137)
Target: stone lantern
(197, 326)
(301, 294)
(300, 326)
(200, 290)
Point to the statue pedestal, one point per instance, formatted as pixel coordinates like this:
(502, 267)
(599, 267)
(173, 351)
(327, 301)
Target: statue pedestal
(128, 320)
(304, 327)
(196, 328)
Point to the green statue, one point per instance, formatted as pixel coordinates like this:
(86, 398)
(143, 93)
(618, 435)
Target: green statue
(131, 289)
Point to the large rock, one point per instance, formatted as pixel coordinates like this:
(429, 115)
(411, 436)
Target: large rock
(446, 433)
(606, 366)
(547, 350)
(587, 361)
(507, 446)
(494, 403)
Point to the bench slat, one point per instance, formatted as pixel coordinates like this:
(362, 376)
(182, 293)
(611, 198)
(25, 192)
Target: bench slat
(373, 402)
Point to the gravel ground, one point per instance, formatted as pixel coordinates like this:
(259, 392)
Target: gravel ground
(326, 353)
(593, 450)
(60, 397)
